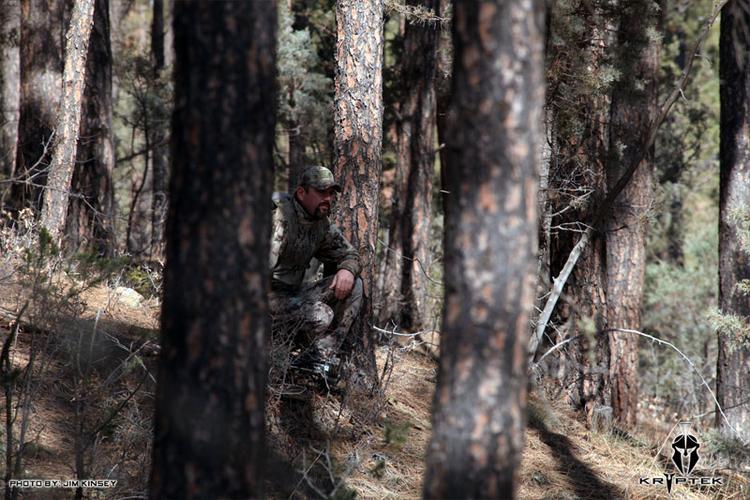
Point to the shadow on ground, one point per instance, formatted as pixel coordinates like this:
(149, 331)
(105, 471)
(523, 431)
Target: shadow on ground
(584, 480)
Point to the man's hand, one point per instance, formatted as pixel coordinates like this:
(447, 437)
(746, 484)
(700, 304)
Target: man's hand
(342, 284)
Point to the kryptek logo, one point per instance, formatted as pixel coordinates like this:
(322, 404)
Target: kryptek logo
(685, 454)
(685, 458)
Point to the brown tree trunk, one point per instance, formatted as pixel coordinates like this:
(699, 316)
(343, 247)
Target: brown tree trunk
(91, 214)
(633, 109)
(418, 109)
(57, 190)
(490, 249)
(138, 233)
(576, 182)
(733, 367)
(10, 25)
(159, 154)
(443, 78)
(41, 62)
(157, 36)
(391, 299)
(409, 258)
(209, 428)
(358, 119)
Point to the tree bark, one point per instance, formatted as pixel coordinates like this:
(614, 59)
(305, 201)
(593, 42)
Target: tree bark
(733, 367)
(41, 62)
(66, 133)
(633, 110)
(297, 142)
(358, 118)
(209, 425)
(419, 110)
(91, 214)
(157, 36)
(159, 154)
(490, 247)
(138, 233)
(405, 283)
(10, 25)
(443, 82)
(576, 182)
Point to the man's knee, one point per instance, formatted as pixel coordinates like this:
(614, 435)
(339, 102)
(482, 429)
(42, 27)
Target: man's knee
(321, 317)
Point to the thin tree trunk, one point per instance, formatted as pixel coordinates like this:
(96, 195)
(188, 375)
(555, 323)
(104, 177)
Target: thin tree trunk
(209, 428)
(632, 113)
(157, 36)
(10, 25)
(41, 62)
(391, 298)
(733, 366)
(66, 134)
(296, 144)
(490, 249)
(136, 239)
(159, 154)
(443, 83)
(358, 118)
(91, 215)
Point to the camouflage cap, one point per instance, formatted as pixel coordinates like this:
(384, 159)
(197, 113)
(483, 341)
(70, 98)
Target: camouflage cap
(319, 178)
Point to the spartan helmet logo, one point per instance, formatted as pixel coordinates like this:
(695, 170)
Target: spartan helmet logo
(685, 454)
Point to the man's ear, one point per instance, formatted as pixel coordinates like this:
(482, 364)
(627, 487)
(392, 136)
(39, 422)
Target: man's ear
(299, 191)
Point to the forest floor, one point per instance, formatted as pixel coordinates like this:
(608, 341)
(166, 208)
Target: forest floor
(322, 446)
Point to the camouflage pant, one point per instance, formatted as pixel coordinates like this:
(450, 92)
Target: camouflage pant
(313, 315)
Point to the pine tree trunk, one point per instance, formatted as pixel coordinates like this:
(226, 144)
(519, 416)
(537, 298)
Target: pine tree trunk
(633, 110)
(409, 258)
(391, 298)
(159, 154)
(57, 190)
(296, 140)
(138, 233)
(10, 25)
(419, 109)
(490, 249)
(296, 151)
(443, 82)
(577, 167)
(41, 63)
(157, 36)
(733, 367)
(209, 428)
(358, 119)
(91, 215)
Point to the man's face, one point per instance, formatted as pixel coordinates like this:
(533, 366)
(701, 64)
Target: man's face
(316, 202)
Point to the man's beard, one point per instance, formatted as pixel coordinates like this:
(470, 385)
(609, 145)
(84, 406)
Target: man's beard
(322, 210)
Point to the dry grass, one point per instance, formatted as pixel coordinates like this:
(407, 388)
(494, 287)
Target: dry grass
(119, 330)
(562, 458)
(385, 458)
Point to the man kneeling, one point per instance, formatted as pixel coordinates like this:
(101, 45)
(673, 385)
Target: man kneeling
(320, 313)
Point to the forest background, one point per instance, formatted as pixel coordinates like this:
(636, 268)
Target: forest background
(598, 56)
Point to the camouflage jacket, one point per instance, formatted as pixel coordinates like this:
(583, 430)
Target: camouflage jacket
(297, 238)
